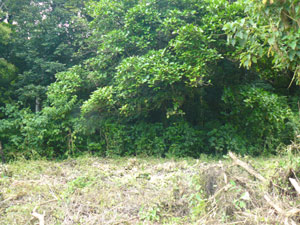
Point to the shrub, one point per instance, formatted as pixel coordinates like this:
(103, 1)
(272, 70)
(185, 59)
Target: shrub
(262, 118)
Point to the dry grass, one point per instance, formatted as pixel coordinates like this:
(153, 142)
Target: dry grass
(97, 191)
(91, 190)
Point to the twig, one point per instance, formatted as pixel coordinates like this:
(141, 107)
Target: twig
(44, 203)
(247, 167)
(287, 214)
(8, 199)
(201, 220)
(236, 222)
(226, 187)
(40, 217)
(295, 185)
(276, 207)
(293, 212)
(124, 221)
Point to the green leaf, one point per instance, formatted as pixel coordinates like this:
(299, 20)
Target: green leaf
(292, 55)
(271, 40)
(293, 44)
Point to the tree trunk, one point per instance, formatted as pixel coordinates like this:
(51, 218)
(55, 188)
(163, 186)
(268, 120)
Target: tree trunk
(37, 104)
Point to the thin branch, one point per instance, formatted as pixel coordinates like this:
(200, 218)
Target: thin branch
(276, 207)
(295, 185)
(247, 167)
(287, 214)
(40, 217)
(297, 21)
(125, 221)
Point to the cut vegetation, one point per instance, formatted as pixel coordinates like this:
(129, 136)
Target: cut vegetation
(90, 190)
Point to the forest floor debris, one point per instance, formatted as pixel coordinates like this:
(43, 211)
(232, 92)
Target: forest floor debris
(91, 190)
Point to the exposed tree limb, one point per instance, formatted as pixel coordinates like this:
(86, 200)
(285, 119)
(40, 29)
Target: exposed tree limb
(40, 217)
(284, 213)
(271, 203)
(295, 185)
(247, 167)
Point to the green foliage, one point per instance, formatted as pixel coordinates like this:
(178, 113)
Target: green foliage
(18, 131)
(178, 139)
(259, 117)
(163, 59)
(7, 69)
(270, 29)
(44, 44)
(184, 140)
(7, 78)
(5, 32)
(227, 137)
(150, 214)
(147, 77)
(53, 131)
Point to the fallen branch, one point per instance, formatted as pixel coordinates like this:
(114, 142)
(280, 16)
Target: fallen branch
(276, 207)
(295, 185)
(284, 213)
(247, 167)
(40, 217)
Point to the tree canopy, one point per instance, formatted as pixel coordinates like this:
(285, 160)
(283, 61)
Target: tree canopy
(178, 78)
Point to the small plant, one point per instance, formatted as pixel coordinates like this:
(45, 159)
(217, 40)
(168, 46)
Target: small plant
(197, 201)
(152, 213)
(78, 183)
(197, 204)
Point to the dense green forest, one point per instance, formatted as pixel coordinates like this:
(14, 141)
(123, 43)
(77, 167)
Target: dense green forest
(148, 77)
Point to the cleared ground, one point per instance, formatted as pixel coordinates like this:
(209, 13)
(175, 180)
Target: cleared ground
(90, 190)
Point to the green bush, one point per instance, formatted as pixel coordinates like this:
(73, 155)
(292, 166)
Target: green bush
(184, 140)
(261, 118)
(21, 131)
(226, 137)
(178, 139)
(42, 134)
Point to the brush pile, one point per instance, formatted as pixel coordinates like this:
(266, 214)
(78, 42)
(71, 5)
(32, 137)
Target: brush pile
(238, 194)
